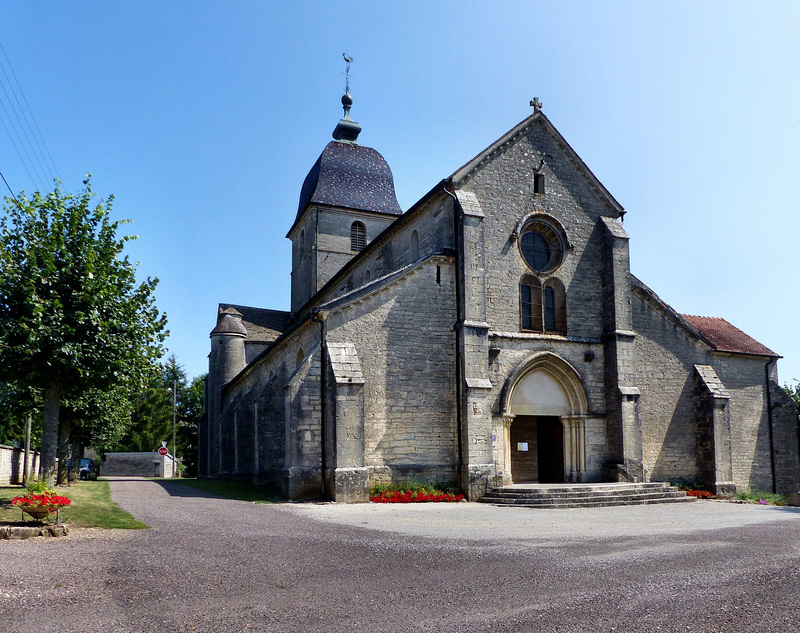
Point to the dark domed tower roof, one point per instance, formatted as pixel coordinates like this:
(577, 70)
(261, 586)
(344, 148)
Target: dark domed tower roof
(351, 176)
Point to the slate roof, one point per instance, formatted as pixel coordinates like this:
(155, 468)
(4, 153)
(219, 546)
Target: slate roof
(229, 322)
(351, 176)
(262, 325)
(726, 337)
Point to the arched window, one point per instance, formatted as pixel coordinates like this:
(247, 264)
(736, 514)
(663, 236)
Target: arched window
(368, 276)
(300, 357)
(530, 303)
(358, 236)
(413, 249)
(549, 309)
(555, 307)
(543, 307)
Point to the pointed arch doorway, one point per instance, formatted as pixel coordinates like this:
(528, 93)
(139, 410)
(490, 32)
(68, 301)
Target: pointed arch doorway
(544, 406)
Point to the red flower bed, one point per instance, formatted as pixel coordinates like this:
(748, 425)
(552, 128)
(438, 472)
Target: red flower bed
(700, 494)
(412, 496)
(44, 499)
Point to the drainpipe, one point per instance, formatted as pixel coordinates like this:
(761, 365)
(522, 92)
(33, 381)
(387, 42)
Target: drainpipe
(457, 327)
(323, 353)
(769, 427)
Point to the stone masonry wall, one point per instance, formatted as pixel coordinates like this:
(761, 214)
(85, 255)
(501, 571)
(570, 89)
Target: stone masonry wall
(333, 239)
(745, 379)
(304, 269)
(433, 226)
(504, 187)
(405, 343)
(665, 355)
(12, 462)
(254, 413)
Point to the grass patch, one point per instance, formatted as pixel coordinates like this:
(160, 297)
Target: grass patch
(91, 507)
(239, 490)
(761, 497)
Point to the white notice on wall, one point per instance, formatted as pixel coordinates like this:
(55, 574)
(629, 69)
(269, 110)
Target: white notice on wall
(522, 446)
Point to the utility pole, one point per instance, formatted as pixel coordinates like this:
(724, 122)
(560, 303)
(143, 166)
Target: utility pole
(174, 418)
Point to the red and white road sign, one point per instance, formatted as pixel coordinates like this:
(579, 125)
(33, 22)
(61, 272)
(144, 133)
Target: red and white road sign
(162, 451)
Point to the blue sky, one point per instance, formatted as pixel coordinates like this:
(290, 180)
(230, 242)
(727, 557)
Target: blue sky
(203, 118)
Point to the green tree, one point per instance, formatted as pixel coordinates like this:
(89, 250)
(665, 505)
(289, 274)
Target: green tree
(193, 406)
(151, 421)
(794, 393)
(72, 316)
(15, 407)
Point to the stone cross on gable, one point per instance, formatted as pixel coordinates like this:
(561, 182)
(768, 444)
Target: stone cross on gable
(536, 104)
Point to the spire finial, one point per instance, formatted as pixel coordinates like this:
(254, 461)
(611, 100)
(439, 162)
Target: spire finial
(348, 61)
(536, 105)
(347, 130)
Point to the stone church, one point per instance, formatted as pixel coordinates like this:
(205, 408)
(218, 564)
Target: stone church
(492, 333)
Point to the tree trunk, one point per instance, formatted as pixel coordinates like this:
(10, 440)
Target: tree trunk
(76, 449)
(52, 400)
(26, 471)
(64, 426)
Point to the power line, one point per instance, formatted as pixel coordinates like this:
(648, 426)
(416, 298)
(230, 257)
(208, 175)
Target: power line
(42, 169)
(9, 187)
(27, 105)
(34, 162)
(21, 142)
(22, 160)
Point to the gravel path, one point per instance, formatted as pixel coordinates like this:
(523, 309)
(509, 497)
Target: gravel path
(219, 565)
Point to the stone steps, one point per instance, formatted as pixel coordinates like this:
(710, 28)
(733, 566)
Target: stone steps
(584, 496)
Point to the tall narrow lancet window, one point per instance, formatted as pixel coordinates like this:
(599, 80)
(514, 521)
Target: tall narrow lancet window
(300, 357)
(358, 236)
(413, 249)
(549, 309)
(530, 303)
(555, 307)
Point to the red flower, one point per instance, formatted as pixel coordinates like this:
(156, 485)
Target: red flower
(45, 499)
(700, 494)
(412, 496)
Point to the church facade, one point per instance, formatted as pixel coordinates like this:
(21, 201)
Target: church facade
(492, 333)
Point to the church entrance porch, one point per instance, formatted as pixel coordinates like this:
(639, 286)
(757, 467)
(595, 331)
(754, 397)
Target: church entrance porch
(537, 449)
(544, 409)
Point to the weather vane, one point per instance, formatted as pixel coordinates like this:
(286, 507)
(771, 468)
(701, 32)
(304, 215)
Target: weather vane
(348, 60)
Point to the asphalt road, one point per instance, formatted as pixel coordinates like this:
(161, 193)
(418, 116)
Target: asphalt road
(214, 565)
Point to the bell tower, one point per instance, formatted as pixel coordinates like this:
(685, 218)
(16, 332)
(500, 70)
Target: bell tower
(346, 201)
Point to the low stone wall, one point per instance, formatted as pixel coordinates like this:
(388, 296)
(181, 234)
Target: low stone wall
(11, 464)
(136, 465)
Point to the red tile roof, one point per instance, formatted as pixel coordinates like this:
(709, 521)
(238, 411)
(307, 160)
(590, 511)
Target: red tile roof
(726, 337)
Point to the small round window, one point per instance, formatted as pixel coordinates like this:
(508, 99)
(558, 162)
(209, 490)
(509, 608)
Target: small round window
(541, 247)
